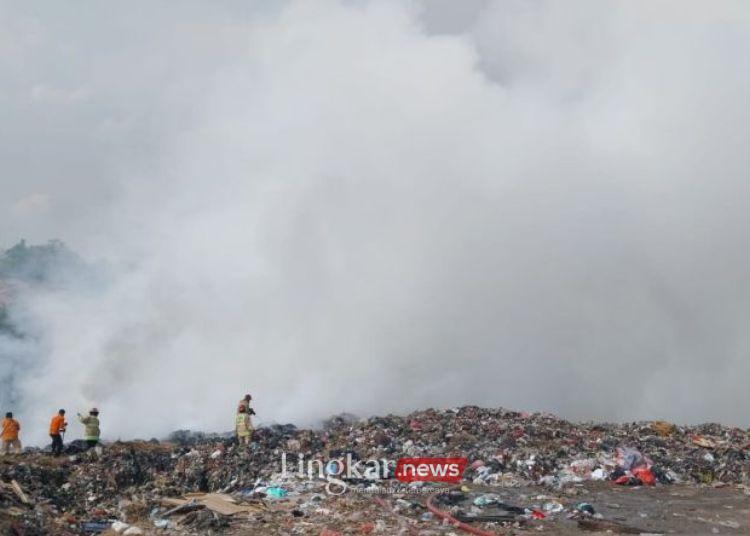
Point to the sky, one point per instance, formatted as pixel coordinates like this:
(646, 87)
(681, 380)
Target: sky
(380, 206)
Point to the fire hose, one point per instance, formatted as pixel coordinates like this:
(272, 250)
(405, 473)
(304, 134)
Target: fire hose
(442, 514)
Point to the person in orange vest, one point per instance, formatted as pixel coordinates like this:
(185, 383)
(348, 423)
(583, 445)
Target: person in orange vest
(10, 434)
(56, 428)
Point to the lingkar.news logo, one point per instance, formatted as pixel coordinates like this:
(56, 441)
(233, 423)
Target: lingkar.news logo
(337, 471)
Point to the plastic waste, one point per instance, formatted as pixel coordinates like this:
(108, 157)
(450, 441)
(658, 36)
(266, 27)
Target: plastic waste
(95, 527)
(585, 508)
(645, 475)
(276, 493)
(553, 507)
(598, 474)
(119, 526)
(484, 500)
(629, 458)
(582, 468)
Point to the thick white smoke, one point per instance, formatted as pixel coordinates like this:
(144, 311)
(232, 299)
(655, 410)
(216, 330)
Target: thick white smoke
(378, 206)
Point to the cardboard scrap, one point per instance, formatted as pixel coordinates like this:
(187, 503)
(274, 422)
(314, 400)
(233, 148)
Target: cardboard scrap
(171, 501)
(216, 502)
(184, 508)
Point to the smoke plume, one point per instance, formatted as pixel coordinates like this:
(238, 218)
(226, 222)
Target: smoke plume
(378, 206)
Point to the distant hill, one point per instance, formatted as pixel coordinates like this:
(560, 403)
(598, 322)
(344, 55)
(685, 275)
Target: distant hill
(36, 264)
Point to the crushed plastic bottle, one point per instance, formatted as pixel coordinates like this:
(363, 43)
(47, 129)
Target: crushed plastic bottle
(276, 493)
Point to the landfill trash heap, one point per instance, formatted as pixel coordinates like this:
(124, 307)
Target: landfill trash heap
(192, 483)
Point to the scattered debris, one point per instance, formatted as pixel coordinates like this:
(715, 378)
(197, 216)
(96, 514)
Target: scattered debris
(663, 428)
(585, 508)
(19, 492)
(524, 471)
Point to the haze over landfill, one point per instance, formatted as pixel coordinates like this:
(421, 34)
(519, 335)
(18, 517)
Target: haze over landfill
(378, 206)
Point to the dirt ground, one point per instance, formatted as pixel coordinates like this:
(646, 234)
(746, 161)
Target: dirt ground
(666, 509)
(676, 509)
(679, 509)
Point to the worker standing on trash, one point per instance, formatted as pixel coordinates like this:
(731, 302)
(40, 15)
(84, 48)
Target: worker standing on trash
(10, 434)
(56, 429)
(91, 431)
(243, 426)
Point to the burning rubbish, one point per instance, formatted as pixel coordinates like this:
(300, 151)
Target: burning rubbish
(530, 472)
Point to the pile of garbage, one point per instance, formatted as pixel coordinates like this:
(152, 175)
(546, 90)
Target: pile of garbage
(193, 483)
(512, 448)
